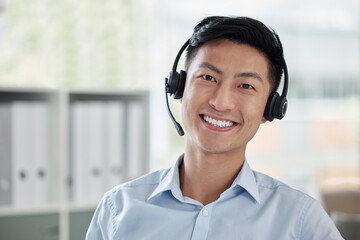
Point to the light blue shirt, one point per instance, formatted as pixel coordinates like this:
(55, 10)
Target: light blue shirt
(256, 206)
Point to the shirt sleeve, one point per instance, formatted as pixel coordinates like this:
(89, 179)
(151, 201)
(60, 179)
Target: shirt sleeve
(316, 223)
(101, 226)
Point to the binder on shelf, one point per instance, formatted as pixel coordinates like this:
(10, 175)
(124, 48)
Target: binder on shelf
(5, 155)
(29, 150)
(114, 143)
(88, 156)
(22, 177)
(136, 128)
(40, 151)
(106, 145)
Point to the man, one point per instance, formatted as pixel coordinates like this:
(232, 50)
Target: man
(232, 66)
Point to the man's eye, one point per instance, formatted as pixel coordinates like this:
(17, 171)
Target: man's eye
(246, 86)
(208, 78)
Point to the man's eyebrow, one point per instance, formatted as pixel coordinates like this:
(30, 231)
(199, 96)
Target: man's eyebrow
(249, 75)
(211, 67)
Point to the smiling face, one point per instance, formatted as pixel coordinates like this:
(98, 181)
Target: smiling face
(226, 90)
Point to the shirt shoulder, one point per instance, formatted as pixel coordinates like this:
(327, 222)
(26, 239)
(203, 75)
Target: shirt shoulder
(140, 188)
(104, 224)
(148, 179)
(304, 211)
(266, 183)
(290, 203)
(147, 182)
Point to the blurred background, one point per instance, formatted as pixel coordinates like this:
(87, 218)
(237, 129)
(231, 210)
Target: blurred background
(129, 46)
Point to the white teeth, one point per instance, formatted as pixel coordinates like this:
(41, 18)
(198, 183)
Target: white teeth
(217, 123)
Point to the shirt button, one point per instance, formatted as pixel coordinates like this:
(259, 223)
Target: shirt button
(205, 213)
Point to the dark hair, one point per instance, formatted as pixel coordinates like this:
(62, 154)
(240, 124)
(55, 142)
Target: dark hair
(241, 30)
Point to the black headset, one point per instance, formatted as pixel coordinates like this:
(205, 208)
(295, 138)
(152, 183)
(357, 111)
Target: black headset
(276, 105)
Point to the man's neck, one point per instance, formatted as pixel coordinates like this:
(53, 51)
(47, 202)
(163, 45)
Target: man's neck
(205, 176)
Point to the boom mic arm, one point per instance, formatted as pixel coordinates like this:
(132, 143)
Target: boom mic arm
(176, 124)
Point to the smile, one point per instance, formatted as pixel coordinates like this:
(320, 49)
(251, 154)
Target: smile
(217, 123)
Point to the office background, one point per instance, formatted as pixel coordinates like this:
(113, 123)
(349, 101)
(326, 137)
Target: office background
(71, 53)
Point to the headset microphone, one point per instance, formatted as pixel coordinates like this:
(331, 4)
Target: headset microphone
(176, 124)
(174, 85)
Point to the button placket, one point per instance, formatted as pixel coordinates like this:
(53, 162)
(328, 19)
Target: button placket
(201, 227)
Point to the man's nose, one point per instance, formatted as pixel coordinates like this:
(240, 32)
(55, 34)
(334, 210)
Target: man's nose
(223, 99)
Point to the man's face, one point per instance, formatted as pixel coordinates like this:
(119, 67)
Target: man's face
(226, 90)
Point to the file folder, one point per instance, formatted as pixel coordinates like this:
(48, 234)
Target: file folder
(5, 155)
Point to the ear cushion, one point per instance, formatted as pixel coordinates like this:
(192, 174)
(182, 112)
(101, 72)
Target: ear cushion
(276, 107)
(268, 113)
(172, 82)
(180, 85)
(280, 107)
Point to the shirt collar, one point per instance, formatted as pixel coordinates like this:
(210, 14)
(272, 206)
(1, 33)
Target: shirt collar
(246, 180)
(171, 182)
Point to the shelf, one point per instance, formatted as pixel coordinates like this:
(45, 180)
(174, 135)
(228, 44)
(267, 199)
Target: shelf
(76, 125)
(12, 211)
